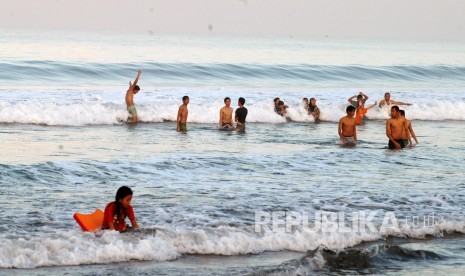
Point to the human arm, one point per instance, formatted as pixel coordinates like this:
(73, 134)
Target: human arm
(351, 99)
(221, 118)
(137, 78)
(132, 85)
(381, 103)
(134, 223)
(355, 132)
(178, 118)
(371, 106)
(231, 117)
(410, 128)
(365, 97)
(132, 217)
(405, 125)
(400, 103)
(339, 131)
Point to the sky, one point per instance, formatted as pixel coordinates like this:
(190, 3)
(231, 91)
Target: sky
(393, 19)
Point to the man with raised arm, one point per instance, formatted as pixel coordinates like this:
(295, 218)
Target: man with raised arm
(133, 89)
(388, 102)
(360, 102)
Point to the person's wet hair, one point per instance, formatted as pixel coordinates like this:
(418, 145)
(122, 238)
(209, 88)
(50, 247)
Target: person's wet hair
(304, 99)
(227, 98)
(137, 88)
(275, 100)
(310, 105)
(185, 98)
(122, 192)
(402, 112)
(396, 108)
(281, 103)
(350, 108)
(242, 100)
(387, 93)
(359, 97)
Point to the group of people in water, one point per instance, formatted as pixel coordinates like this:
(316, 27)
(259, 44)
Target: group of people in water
(399, 130)
(310, 107)
(226, 121)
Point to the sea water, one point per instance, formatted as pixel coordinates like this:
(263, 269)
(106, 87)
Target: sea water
(200, 196)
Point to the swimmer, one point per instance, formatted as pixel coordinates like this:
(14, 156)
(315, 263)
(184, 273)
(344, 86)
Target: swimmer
(133, 89)
(388, 102)
(395, 128)
(226, 114)
(347, 128)
(181, 120)
(241, 115)
(410, 129)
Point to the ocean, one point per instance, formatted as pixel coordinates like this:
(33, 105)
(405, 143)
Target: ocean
(283, 198)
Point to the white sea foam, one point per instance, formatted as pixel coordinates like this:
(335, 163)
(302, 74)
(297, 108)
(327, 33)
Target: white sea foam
(106, 113)
(77, 248)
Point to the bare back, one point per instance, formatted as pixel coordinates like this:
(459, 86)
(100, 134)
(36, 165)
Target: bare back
(130, 96)
(183, 112)
(408, 126)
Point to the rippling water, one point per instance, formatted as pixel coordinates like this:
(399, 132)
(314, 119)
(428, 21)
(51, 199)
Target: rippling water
(88, 73)
(197, 195)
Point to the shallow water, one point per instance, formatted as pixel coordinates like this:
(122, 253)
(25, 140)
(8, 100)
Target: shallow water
(201, 189)
(200, 195)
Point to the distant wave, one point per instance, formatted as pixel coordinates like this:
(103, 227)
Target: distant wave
(101, 73)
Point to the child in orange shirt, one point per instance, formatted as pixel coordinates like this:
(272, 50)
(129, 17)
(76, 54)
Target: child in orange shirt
(361, 111)
(116, 211)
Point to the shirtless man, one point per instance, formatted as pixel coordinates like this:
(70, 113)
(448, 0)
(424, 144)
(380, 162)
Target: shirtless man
(133, 89)
(394, 129)
(388, 102)
(410, 129)
(226, 114)
(347, 128)
(181, 120)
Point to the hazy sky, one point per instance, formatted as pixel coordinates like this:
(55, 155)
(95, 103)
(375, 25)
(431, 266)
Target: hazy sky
(430, 19)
